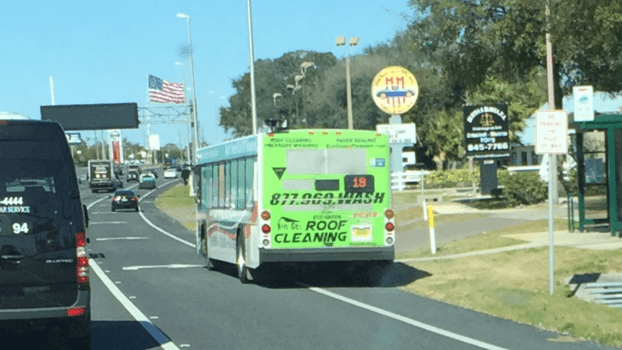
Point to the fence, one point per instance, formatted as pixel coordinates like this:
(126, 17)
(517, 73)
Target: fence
(399, 180)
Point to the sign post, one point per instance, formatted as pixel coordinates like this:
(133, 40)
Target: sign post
(551, 139)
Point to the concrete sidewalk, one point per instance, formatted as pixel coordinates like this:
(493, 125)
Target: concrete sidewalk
(587, 240)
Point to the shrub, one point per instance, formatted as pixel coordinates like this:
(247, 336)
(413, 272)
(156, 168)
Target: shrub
(525, 188)
(450, 178)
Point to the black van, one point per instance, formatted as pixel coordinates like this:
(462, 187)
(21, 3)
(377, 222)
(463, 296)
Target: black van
(44, 272)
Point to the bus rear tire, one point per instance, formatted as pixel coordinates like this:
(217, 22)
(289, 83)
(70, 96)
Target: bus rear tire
(240, 259)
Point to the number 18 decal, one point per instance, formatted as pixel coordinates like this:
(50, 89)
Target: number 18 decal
(20, 228)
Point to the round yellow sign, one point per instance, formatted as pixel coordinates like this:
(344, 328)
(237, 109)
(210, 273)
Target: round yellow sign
(394, 90)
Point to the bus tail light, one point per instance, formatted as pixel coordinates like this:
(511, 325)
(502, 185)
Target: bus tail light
(265, 228)
(389, 214)
(82, 266)
(265, 215)
(389, 226)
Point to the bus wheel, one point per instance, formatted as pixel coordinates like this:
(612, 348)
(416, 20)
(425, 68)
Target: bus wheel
(240, 259)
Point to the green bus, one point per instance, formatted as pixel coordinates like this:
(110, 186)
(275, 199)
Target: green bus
(295, 196)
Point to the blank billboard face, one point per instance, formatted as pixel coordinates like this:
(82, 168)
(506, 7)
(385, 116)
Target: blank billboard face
(93, 117)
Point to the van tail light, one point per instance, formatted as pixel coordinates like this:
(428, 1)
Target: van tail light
(82, 267)
(74, 312)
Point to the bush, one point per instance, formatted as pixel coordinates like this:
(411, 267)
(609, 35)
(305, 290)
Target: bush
(525, 189)
(450, 178)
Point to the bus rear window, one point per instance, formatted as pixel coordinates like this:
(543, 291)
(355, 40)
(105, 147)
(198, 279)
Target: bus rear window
(326, 161)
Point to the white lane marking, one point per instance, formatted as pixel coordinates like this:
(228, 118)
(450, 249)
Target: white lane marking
(162, 339)
(406, 320)
(171, 266)
(120, 238)
(108, 222)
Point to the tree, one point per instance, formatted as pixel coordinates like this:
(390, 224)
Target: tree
(475, 39)
(273, 77)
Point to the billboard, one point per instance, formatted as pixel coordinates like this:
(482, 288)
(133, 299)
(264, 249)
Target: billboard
(486, 131)
(93, 117)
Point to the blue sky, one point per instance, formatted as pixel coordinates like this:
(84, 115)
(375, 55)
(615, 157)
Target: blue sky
(101, 52)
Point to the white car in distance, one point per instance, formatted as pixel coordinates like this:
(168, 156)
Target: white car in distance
(170, 173)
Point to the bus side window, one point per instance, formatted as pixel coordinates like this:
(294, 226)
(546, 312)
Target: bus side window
(227, 184)
(234, 183)
(241, 184)
(250, 171)
(206, 187)
(221, 185)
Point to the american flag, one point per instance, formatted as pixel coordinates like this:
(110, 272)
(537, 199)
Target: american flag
(165, 92)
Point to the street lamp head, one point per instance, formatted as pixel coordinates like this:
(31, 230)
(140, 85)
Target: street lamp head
(276, 94)
(354, 41)
(298, 78)
(341, 40)
(183, 15)
(179, 64)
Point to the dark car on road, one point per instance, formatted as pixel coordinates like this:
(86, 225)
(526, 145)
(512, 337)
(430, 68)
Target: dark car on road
(44, 267)
(132, 175)
(124, 199)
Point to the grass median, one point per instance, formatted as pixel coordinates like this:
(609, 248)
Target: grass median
(177, 203)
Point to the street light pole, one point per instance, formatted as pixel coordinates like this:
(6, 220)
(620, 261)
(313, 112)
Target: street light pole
(251, 58)
(188, 125)
(341, 41)
(194, 103)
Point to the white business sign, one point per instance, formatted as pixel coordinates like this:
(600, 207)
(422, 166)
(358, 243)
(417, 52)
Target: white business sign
(551, 132)
(399, 133)
(154, 142)
(583, 103)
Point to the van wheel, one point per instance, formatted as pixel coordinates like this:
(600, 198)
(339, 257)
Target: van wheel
(241, 259)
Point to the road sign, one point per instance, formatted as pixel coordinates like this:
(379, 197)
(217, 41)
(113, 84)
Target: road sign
(551, 132)
(399, 133)
(73, 138)
(583, 103)
(394, 90)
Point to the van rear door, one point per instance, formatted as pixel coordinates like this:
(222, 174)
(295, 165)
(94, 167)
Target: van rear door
(40, 214)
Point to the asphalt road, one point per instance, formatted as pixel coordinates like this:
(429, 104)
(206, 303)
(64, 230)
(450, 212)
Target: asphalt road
(151, 291)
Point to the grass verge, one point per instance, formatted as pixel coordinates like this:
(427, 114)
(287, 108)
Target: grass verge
(515, 285)
(177, 203)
